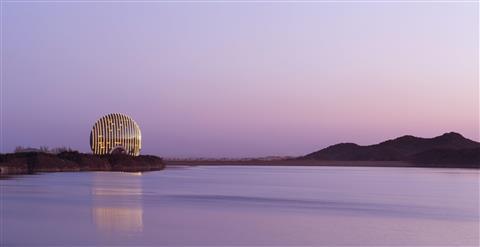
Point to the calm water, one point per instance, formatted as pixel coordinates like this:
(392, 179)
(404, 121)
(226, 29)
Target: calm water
(244, 206)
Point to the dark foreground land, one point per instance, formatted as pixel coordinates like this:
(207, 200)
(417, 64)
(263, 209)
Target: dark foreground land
(33, 162)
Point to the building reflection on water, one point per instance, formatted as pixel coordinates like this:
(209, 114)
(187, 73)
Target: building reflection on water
(117, 202)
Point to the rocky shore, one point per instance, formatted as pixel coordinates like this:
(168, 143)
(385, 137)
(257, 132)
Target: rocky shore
(33, 162)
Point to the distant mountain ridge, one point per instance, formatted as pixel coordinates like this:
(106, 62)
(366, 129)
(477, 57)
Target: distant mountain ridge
(406, 148)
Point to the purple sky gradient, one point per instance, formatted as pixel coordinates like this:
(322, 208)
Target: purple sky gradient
(239, 79)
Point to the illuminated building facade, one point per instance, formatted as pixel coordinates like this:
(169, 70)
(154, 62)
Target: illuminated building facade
(116, 133)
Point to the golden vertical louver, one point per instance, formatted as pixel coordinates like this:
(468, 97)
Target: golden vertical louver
(116, 132)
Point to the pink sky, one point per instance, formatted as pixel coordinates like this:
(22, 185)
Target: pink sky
(239, 79)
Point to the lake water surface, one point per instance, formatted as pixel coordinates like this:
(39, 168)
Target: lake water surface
(232, 205)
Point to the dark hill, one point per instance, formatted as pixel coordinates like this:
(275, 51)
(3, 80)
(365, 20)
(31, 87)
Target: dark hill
(402, 149)
(466, 158)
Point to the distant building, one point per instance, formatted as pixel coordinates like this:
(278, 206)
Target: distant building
(116, 133)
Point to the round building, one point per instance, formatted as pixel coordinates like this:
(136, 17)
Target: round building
(116, 133)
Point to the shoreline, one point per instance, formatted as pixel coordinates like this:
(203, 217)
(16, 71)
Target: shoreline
(35, 162)
(320, 163)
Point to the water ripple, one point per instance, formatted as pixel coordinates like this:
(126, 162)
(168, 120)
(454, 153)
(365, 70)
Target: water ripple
(383, 209)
